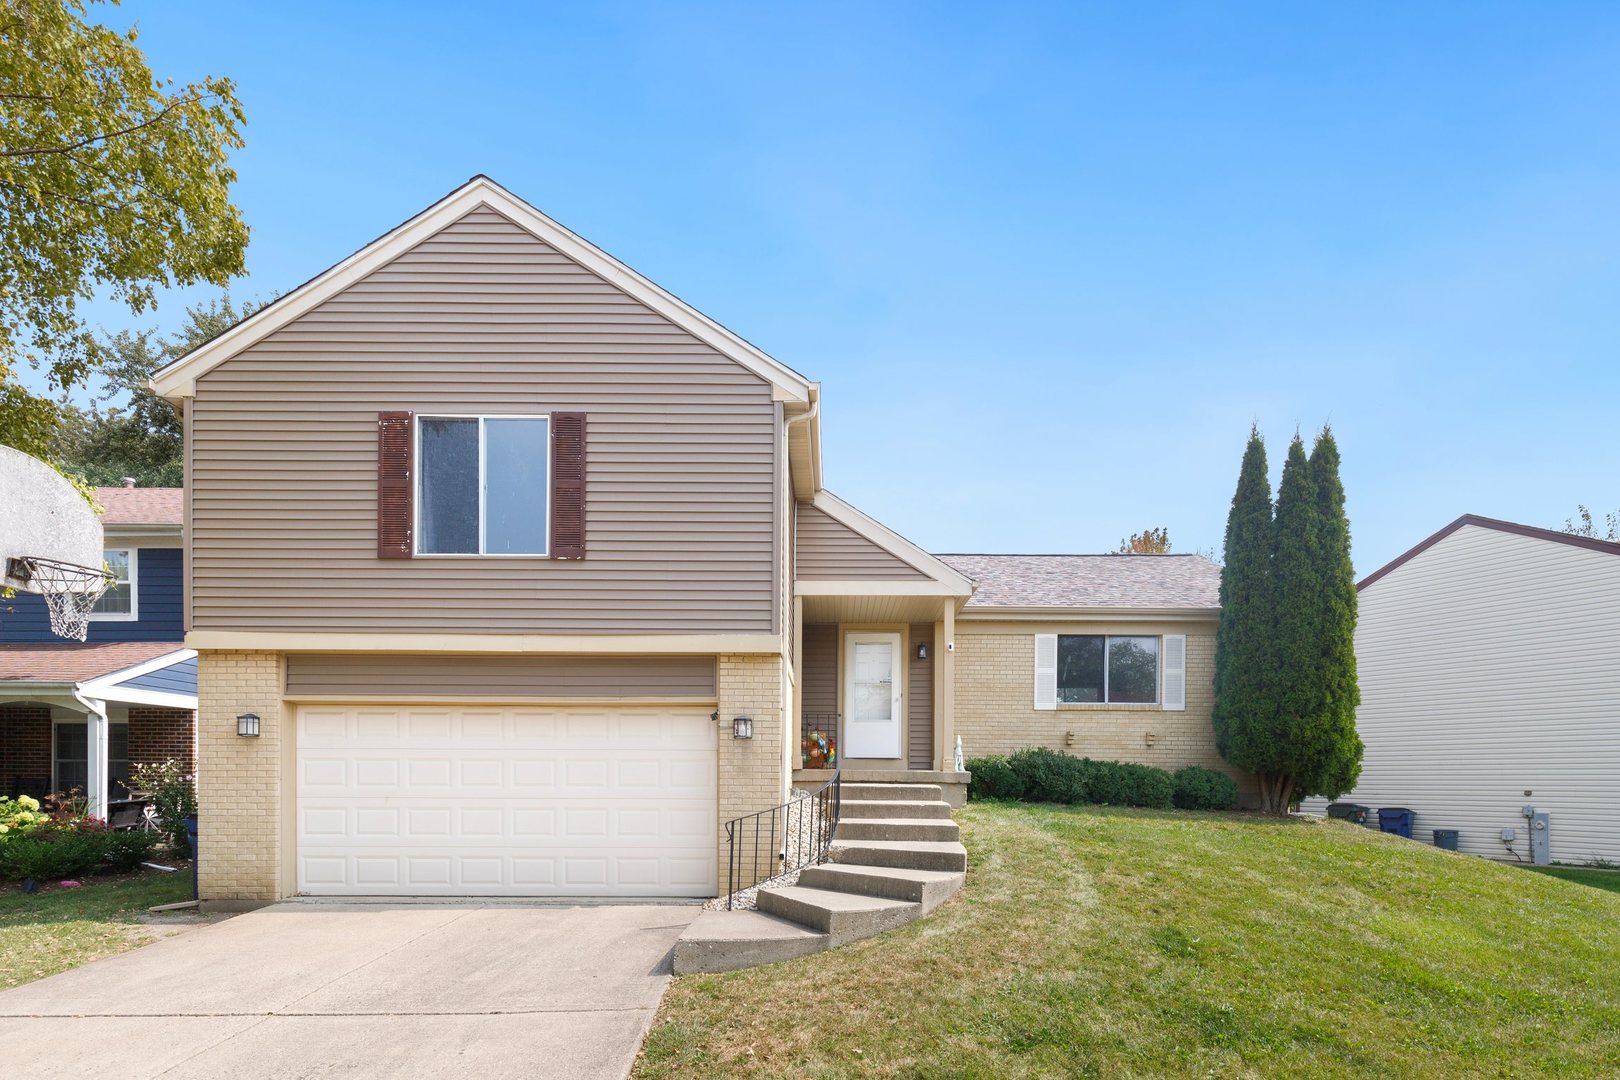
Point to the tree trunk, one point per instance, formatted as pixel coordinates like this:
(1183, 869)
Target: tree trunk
(1276, 789)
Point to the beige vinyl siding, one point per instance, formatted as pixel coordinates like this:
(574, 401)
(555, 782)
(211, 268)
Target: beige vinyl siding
(920, 700)
(314, 675)
(820, 690)
(829, 550)
(483, 318)
(1487, 669)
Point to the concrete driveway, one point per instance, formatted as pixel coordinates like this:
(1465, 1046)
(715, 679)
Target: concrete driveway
(303, 990)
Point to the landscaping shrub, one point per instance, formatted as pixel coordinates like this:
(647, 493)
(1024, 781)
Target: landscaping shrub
(994, 778)
(57, 851)
(1049, 776)
(173, 792)
(1198, 788)
(1045, 775)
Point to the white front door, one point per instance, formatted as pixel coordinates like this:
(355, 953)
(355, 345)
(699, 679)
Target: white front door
(419, 800)
(872, 715)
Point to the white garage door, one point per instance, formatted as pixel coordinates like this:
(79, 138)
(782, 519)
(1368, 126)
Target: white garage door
(414, 801)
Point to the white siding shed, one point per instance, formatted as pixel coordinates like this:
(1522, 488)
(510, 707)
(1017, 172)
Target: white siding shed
(1489, 662)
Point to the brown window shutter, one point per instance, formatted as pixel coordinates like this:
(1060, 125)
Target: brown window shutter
(394, 483)
(568, 485)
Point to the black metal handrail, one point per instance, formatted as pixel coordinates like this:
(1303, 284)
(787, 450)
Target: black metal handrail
(800, 831)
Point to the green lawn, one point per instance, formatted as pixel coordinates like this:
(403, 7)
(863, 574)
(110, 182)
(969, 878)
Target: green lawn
(1585, 875)
(59, 928)
(1116, 943)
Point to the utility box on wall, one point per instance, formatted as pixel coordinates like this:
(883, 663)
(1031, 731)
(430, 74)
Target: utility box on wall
(1540, 838)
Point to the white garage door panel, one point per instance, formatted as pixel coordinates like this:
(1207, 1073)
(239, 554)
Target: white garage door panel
(514, 802)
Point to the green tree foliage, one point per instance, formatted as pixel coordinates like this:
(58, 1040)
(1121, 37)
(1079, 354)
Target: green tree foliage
(1147, 542)
(141, 437)
(1243, 670)
(1333, 762)
(112, 183)
(1295, 627)
(1285, 667)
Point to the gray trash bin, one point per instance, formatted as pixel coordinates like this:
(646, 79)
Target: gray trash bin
(1446, 838)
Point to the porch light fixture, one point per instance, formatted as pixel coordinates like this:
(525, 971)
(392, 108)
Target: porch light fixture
(742, 727)
(247, 725)
(922, 650)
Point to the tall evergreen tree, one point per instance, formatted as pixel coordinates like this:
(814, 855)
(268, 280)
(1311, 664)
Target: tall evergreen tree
(1243, 702)
(1335, 749)
(1296, 630)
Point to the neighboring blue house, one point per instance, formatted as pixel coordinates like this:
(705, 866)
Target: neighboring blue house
(132, 677)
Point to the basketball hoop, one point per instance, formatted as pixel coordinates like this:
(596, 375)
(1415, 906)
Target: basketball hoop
(70, 591)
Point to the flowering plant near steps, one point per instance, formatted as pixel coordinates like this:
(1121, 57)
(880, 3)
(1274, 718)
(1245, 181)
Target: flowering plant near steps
(173, 792)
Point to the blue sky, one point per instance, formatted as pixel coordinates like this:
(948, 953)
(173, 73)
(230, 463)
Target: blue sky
(1049, 262)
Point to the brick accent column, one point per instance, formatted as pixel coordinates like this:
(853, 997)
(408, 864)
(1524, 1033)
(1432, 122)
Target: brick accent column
(25, 742)
(239, 780)
(751, 775)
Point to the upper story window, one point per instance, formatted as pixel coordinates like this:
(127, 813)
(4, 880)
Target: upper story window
(1113, 670)
(482, 486)
(118, 602)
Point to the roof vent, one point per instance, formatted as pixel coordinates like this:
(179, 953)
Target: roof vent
(127, 481)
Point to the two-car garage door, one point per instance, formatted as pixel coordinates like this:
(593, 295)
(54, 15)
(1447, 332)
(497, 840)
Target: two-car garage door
(422, 801)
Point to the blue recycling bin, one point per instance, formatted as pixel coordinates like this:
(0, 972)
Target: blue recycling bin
(191, 838)
(1397, 820)
(1446, 839)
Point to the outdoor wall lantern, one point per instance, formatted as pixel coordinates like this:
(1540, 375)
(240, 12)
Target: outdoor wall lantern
(922, 650)
(742, 727)
(247, 724)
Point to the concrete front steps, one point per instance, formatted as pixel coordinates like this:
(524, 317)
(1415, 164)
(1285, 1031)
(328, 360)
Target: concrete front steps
(895, 857)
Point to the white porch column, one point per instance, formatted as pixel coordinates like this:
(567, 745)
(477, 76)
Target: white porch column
(95, 738)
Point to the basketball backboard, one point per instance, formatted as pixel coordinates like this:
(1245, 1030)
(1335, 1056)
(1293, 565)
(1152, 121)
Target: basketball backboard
(42, 516)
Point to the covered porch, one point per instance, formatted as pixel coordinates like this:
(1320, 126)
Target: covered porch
(874, 660)
(68, 723)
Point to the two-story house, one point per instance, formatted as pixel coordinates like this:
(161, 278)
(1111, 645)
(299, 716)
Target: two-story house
(132, 673)
(510, 573)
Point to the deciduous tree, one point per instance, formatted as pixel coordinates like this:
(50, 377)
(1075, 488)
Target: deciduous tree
(1148, 542)
(113, 182)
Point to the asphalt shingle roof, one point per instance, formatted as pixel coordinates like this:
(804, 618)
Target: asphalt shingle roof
(1090, 581)
(76, 663)
(141, 506)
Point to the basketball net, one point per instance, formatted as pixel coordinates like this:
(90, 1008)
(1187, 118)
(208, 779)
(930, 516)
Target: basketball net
(70, 592)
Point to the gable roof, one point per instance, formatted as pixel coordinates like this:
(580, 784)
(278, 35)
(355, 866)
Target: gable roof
(178, 380)
(141, 506)
(1497, 525)
(941, 578)
(1101, 582)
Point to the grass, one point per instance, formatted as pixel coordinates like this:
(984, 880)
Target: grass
(1118, 943)
(1584, 875)
(56, 929)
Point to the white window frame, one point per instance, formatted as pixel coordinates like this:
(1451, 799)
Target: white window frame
(416, 486)
(1158, 674)
(134, 612)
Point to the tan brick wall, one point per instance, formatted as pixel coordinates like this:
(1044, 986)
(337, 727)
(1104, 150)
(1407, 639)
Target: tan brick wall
(239, 780)
(751, 774)
(995, 692)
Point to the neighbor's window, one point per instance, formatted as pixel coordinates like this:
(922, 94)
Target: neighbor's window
(118, 602)
(483, 485)
(72, 759)
(1115, 670)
